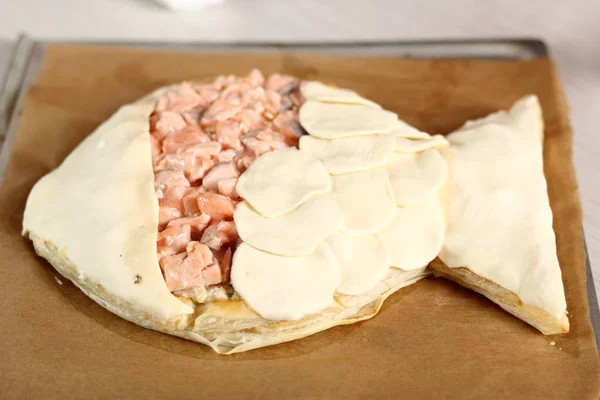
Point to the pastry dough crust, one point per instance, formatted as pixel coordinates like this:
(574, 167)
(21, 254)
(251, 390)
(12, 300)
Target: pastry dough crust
(506, 299)
(230, 326)
(524, 119)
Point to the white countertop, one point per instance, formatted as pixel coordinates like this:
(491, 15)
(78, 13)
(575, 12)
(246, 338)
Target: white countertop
(571, 29)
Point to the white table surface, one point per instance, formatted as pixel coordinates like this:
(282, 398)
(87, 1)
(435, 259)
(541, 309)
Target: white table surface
(571, 28)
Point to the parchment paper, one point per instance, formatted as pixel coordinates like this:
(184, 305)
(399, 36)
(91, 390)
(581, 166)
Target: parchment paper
(432, 340)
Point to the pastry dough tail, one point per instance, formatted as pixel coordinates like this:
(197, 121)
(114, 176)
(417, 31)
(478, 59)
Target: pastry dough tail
(506, 299)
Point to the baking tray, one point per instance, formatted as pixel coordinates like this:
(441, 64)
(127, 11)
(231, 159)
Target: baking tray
(28, 56)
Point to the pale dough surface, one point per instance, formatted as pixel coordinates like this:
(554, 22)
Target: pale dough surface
(100, 210)
(297, 233)
(500, 225)
(279, 181)
(352, 154)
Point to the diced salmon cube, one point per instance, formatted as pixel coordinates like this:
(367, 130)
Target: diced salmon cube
(222, 109)
(244, 158)
(249, 119)
(180, 99)
(264, 141)
(219, 172)
(281, 83)
(273, 102)
(197, 168)
(208, 92)
(170, 204)
(192, 268)
(254, 98)
(169, 178)
(219, 207)
(167, 123)
(207, 149)
(192, 117)
(228, 134)
(223, 81)
(182, 139)
(173, 240)
(190, 202)
(201, 254)
(225, 155)
(287, 124)
(212, 274)
(255, 78)
(173, 196)
(197, 224)
(180, 274)
(220, 234)
(174, 162)
(198, 160)
(227, 188)
(166, 214)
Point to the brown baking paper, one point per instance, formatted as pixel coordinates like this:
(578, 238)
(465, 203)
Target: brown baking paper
(430, 340)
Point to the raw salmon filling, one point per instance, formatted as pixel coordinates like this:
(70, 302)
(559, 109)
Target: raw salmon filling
(203, 137)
